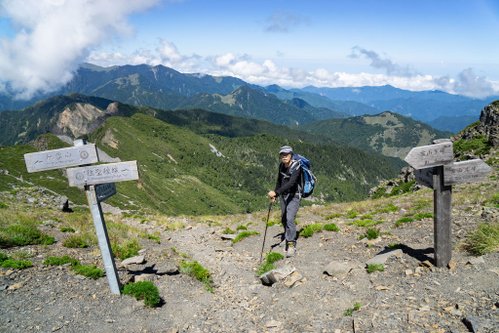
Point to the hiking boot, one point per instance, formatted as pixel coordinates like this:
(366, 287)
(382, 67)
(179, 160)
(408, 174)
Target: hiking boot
(290, 249)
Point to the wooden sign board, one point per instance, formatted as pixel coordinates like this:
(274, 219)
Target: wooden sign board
(465, 172)
(103, 173)
(104, 191)
(430, 156)
(60, 158)
(424, 177)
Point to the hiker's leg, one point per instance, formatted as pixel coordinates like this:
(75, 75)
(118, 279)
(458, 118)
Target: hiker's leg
(283, 216)
(291, 210)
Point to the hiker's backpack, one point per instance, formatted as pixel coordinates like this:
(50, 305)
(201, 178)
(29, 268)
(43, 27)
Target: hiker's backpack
(308, 178)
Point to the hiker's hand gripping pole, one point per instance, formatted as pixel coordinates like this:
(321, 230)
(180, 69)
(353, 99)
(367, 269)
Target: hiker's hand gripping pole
(266, 226)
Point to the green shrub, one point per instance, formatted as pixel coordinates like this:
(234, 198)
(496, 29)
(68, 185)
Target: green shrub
(494, 200)
(59, 261)
(310, 229)
(478, 146)
(67, 229)
(241, 227)
(16, 264)
(421, 216)
(332, 216)
(485, 239)
(371, 233)
(371, 268)
(197, 271)
(242, 235)
(3, 205)
(365, 223)
(76, 242)
(351, 214)
(403, 220)
(228, 231)
(89, 271)
(268, 263)
(390, 208)
(126, 250)
(331, 227)
(3, 257)
(22, 235)
(349, 312)
(143, 290)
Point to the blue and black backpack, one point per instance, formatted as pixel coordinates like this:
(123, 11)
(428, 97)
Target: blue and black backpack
(308, 178)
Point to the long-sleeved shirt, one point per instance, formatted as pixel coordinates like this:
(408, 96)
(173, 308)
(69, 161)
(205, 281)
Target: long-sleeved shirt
(289, 179)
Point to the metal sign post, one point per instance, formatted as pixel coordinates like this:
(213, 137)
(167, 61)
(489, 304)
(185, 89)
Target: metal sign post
(98, 182)
(104, 245)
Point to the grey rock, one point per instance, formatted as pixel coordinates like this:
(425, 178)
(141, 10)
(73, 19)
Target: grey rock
(145, 277)
(167, 268)
(133, 260)
(228, 236)
(476, 261)
(382, 258)
(276, 275)
(338, 268)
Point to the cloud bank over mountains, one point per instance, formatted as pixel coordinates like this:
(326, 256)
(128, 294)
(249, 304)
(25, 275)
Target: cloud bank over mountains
(52, 38)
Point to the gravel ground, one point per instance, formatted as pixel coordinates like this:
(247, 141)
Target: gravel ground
(410, 295)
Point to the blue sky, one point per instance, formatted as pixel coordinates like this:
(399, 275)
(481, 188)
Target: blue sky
(450, 45)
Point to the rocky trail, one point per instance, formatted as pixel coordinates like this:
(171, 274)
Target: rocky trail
(324, 288)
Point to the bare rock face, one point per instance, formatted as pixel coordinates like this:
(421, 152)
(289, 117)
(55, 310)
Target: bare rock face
(487, 127)
(80, 119)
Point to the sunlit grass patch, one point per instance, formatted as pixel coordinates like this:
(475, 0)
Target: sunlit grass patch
(90, 271)
(143, 290)
(485, 239)
(349, 312)
(402, 220)
(268, 263)
(365, 223)
(22, 235)
(244, 234)
(125, 249)
(197, 271)
(371, 233)
(371, 268)
(331, 227)
(78, 241)
(310, 229)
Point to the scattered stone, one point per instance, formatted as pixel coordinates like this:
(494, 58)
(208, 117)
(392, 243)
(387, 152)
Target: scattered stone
(167, 268)
(338, 268)
(419, 270)
(452, 265)
(228, 236)
(383, 257)
(3, 287)
(382, 288)
(426, 263)
(292, 280)
(276, 275)
(272, 323)
(409, 272)
(15, 286)
(145, 277)
(476, 261)
(133, 260)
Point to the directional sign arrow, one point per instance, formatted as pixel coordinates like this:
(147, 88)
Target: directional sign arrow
(424, 176)
(103, 173)
(60, 158)
(430, 156)
(104, 191)
(465, 172)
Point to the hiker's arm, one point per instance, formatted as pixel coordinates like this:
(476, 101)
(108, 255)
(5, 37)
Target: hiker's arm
(293, 181)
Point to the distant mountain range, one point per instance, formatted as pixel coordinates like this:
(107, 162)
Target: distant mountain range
(190, 162)
(387, 133)
(165, 88)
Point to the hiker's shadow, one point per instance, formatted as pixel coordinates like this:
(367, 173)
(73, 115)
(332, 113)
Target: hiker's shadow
(418, 254)
(280, 238)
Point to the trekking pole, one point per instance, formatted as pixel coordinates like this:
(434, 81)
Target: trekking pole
(265, 234)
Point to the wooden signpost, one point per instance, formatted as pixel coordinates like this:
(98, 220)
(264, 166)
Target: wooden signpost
(98, 182)
(434, 168)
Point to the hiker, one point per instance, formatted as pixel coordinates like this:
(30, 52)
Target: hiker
(287, 189)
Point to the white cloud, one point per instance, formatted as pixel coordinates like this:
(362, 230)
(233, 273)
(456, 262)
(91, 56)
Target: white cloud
(54, 36)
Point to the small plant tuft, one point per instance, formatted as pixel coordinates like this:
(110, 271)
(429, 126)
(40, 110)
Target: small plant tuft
(76, 242)
(143, 290)
(16, 264)
(349, 312)
(228, 231)
(268, 264)
(485, 239)
(126, 250)
(89, 271)
(371, 268)
(22, 235)
(244, 234)
(402, 220)
(59, 261)
(67, 229)
(197, 271)
(310, 229)
(331, 227)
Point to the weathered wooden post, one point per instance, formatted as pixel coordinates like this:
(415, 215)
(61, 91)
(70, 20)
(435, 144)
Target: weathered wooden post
(434, 157)
(434, 168)
(98, 182)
